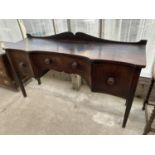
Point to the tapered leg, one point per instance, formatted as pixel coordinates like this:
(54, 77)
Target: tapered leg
(148, 94)
(127, 110)
(131, 95)
(39, 81)
(21, 85)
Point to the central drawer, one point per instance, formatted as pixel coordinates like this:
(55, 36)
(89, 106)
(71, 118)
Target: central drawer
(43, 62)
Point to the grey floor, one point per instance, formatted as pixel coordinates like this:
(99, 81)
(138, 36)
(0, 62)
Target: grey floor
(55, 108)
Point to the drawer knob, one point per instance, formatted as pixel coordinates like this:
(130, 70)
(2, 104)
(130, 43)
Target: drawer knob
(48, 61)
(74, 65)
(111, 81)
(22, 65)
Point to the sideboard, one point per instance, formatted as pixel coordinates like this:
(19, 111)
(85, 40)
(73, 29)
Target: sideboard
(107, 66)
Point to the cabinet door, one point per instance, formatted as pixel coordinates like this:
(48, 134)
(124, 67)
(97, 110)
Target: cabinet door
(112, 78)
(6, 78)
(21, 63)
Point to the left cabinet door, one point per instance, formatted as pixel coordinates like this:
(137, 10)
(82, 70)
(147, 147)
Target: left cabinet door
(6, 77)
(20, 63)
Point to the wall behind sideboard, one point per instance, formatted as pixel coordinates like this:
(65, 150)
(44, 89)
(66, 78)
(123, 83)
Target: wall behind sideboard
(13, 30)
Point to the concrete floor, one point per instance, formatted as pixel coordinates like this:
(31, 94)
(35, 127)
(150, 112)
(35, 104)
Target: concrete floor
(55, 108)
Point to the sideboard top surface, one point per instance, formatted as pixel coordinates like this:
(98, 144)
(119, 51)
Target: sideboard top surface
(86, 46)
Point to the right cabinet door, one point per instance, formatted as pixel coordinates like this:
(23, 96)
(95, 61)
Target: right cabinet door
(112, 78)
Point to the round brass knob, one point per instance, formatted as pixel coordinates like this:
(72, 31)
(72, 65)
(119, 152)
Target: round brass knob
(111, 81)
(22, 65)
(74, 65)
(48, 61)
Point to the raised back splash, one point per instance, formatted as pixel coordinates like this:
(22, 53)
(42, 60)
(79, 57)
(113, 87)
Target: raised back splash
(80, 36)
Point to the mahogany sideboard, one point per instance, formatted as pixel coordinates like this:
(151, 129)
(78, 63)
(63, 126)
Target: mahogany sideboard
(107, 66)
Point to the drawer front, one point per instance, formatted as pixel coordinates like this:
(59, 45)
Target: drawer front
(112, 78)
(42, 62)
(21, 63)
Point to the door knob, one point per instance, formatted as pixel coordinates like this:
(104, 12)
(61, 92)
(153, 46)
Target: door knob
(111, 81)
(48, 61)
(22, 65)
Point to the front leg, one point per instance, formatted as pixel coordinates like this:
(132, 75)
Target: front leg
(130, 97)
(39, 81)
(21, 85)
(127, 110)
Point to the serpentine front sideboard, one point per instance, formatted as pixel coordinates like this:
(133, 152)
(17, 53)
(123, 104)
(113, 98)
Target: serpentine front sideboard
(108, 66)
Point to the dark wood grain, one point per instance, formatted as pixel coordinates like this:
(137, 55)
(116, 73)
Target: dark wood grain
(121, 75)
(130, 53)
(108, 66)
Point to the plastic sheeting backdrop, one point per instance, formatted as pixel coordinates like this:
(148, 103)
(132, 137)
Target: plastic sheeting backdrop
(114, 29)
